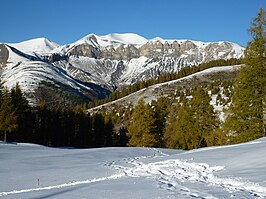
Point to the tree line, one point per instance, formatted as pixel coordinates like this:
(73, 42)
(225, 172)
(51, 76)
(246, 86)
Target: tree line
(57, 127)
(167, 122)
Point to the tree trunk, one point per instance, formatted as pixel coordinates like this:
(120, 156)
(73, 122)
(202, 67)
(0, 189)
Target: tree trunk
(5, 137)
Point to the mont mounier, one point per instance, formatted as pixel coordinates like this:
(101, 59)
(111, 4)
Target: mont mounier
(94, 66)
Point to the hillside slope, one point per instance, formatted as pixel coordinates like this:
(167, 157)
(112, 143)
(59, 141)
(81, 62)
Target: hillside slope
(168, 88)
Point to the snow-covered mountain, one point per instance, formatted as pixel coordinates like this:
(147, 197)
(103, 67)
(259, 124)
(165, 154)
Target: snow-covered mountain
(95, 65)
(39, 45)
(121, 59)
(233, 171)
(39, 78)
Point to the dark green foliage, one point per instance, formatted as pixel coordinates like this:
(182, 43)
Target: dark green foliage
(169, 130)
(8, 119)
(120, 138)
(183, 137)
(161, 110)
(246, 120)
(57, 127)
(102, 130)
(23, 113)
(72, 127)
(215, 90)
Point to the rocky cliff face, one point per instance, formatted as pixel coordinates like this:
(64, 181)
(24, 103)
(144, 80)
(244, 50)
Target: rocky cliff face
(108, 61)
(192, 51)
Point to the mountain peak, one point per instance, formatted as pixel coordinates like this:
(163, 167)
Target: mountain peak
(126, 38)
(113, 39)
(157, 39)
(36, 45)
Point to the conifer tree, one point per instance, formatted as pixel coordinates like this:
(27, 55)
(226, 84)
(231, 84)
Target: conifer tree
(142, 127)
(98, 137)
(169, 127)
(246, 119)
(161, 109)
(108, 131)
(205, 119)
(8, 119)
(41, 132)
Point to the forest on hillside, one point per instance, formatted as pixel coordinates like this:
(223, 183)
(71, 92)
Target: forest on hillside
(186, 119)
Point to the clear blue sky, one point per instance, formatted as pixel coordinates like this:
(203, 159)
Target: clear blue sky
(65, 21)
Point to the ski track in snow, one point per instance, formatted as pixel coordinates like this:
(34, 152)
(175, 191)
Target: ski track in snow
(65, 185)
(170, 175)
(173, 173)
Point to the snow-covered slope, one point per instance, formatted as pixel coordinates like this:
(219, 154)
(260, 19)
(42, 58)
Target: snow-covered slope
(38, 45)
(234, 171)
(110, 40)
(126, 38)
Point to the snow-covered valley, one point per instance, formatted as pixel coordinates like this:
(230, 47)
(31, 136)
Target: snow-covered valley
(33, 171)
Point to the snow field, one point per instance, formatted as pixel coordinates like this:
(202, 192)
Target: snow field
(235, 171)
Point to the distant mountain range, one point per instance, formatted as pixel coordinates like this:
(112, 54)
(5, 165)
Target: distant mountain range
(93, 66)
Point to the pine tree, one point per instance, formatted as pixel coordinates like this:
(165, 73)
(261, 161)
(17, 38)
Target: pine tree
(8, 119)
(101, 130)
(169, 127)
(142, 127)
(42, 120)
(161, 109)
(246, 119)
(183, 137)
(108, 131)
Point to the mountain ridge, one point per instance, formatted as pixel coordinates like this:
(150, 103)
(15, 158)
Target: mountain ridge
(108, 61)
